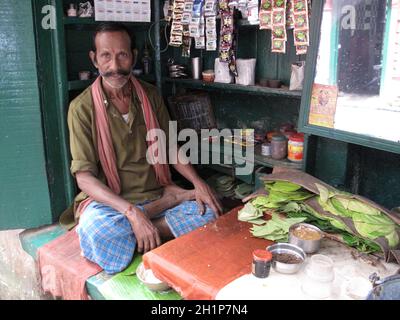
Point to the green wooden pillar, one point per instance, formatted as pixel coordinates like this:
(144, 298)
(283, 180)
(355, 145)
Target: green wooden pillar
(24, 192)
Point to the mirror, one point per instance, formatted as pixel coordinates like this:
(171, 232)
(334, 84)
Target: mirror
(356, 87)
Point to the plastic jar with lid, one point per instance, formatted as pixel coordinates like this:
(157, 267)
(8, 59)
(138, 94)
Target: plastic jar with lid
(261, 266)
(279, 147)
(296, 147)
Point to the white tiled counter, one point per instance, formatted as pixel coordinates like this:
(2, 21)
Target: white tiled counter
(350, 267)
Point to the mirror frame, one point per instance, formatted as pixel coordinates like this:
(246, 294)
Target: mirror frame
(311, 63)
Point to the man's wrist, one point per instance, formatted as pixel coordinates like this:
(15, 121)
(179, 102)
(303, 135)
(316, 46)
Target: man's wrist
(132, 211)
(129, 211)
(198, 182)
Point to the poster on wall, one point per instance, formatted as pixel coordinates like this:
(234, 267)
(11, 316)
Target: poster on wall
(323, 105)
(125, 11)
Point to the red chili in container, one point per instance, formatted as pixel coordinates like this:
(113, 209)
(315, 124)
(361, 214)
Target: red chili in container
(261, 263)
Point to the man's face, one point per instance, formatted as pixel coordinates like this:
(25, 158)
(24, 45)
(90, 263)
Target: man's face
(113, 58)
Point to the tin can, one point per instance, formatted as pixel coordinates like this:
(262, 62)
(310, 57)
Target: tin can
(266, 149)
(261, 263)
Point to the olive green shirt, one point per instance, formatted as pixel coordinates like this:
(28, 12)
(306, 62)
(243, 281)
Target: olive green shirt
(138, 180)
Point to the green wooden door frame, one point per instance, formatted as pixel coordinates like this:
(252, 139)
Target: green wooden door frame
(24, 194)
(386, 43)
(50, 46)
(304, 126)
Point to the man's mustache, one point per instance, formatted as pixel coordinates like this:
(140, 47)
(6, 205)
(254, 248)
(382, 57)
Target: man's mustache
(119, 72)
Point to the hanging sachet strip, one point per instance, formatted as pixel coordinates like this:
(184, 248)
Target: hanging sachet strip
(278, 34)
(226, 44)
(301, 30)
(176, 38)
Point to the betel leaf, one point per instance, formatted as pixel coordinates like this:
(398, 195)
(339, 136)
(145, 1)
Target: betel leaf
(328, 206)
(379, 219)
(358, 206)
(284, 186)
(393, 239)
(323, 192)
(260, 201)
(276, 229)
(292, 207)
(249, 212)
(258, 221)
(373, 231)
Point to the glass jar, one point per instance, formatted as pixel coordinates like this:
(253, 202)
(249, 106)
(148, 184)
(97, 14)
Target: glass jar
(296, 147)
(261, 263)
(319, 277)
(279, 147)
(72, 12)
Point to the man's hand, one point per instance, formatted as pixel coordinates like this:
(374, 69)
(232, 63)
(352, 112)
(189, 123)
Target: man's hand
(205, 196)
(147, 235)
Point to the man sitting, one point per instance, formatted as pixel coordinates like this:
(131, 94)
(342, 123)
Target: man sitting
(125, 201)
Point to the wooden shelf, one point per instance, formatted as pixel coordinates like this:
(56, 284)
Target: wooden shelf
(83, 84)
(271, 163)
(245, 23)
(71, 21)
(257, 90)
(237, 153)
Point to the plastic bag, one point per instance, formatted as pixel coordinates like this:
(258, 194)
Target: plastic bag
(246, 71)
(222, 73)
(297, 76)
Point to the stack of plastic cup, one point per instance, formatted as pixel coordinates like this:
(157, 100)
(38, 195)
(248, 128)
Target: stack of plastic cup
(319, 276)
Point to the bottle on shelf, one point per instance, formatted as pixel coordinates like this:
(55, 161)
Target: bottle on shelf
(146, 60)
(72, 12)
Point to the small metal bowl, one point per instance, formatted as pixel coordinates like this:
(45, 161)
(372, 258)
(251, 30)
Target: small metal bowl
(287, 268)
(309, 246)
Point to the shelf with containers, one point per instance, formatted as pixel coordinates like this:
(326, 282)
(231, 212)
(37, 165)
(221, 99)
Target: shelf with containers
(257, 90)
(238, 106)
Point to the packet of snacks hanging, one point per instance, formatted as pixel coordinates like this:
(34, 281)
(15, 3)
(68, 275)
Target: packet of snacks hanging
(196, 26)
(301, 31)
(170, 11)
(279, 35)
(265, 15)
(210, 14)
(227, 43)
(176, 38)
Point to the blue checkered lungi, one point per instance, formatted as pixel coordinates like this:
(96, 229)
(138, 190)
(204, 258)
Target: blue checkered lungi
(106, 236)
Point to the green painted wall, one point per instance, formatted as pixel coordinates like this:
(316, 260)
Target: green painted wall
(24, 193)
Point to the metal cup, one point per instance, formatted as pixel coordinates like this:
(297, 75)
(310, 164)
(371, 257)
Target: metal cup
(196, 68)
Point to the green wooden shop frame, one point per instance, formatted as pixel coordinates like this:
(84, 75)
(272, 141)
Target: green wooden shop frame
(304, 126)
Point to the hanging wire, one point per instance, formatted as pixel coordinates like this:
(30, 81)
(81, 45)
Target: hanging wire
(165, 35)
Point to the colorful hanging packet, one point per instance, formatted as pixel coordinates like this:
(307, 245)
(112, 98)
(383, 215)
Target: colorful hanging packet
(278, 34)
(210, 13)
(301, 31)
(265, 15)
(176, 38)
(226, 45)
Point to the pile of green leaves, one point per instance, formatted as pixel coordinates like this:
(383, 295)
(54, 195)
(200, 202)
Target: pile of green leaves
(369, 222)
(330, 225)
(279, 194)
(290, 198)
(276, 229)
